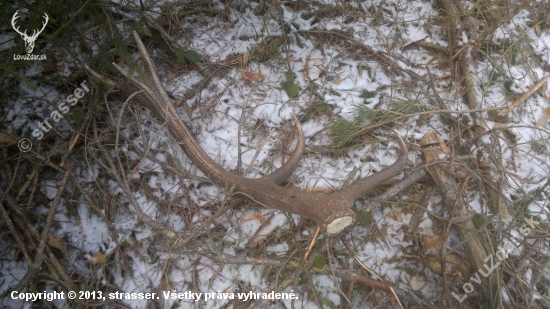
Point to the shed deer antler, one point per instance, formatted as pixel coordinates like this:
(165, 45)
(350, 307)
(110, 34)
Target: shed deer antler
(332, 212)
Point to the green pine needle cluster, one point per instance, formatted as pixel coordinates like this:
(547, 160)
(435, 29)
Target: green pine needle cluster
(343, 131)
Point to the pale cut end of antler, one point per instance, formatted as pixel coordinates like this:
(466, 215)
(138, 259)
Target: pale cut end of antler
(339, 224)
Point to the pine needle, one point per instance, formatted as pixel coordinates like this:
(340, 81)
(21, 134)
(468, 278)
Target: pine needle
(343, 131)
(366, 119)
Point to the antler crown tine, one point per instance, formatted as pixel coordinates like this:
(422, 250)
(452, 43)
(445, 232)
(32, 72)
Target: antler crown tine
(357, 189)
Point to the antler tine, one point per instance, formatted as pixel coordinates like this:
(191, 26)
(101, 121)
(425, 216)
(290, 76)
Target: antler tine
(156, 99)
(153, 83)
(282, 173)
(355, 190)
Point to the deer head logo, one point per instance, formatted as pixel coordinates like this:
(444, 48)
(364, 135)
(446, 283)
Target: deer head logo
(29, 39)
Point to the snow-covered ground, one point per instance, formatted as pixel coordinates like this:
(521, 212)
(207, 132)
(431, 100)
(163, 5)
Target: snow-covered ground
(118, 251)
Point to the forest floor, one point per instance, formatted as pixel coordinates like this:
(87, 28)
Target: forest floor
(465, 225)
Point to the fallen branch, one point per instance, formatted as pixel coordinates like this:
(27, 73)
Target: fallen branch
(449, 189)
(523, 97)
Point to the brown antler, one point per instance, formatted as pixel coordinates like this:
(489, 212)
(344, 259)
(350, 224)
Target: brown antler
(332, 212)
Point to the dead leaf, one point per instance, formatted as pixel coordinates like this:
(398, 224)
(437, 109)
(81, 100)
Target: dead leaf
(511, 135)
(314, 68)
(288, 8)
(455, 265)
(186, 108)
(444, 147)
(246, 56)
(426, 117)
(256, 241)
(133, 175)
(336, 81)
(171, 75)
(252, 76)
(477, 129)
(416, 284)
(507, 133)
(433, 245)
(461, 175)
(261, 234)
(96, 259)
(543, 120)
(254, 217)
(474, 22)
(54, 241)
(247, 75)
(7, 140)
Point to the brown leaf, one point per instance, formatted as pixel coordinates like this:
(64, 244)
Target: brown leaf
(246, 56)
(261, 234)
(252, 76)
(444, 147)
(426, 117)
(254, 217)
(171, 76)
(133, 175)
(7, 140)
(258, 76)
(54, 241)
(314, 68)
(186, 108)
(459, 266)
(455, 265)
(433, 245)
(461, 175)
(247, 75)
(256, 241)
(288, 8)
(474, 22)
(96, 259)
(543, 120)
(510, 135)
(416, 284)
(337, 81)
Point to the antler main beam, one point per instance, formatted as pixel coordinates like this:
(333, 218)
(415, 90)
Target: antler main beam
(332, 212)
